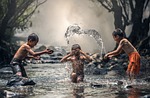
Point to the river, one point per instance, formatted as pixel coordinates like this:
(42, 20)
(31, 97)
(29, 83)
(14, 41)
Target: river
(53, 81)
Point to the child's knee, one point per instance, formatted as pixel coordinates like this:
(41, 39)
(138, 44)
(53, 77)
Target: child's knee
(19, 73)
(16, 68)
(74, 75)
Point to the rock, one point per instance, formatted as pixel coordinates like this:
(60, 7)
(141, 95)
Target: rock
(96, 85)
(112, 74)
(99, 71)
(6, 70)
(128, 86)
(147, 96)
(147, 79)
(19, 81)
(120, 83)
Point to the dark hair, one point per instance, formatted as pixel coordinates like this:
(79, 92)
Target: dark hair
(76, 46)
(33, 37)
(118, 32)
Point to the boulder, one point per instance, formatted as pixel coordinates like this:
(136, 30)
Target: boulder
(19, 81)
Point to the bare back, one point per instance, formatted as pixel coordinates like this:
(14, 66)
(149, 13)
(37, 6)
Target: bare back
(22, 52)
(127, 46)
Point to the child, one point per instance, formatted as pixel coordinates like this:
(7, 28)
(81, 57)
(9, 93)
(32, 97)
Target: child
(76, 56)
(134, 57)
(23, 52)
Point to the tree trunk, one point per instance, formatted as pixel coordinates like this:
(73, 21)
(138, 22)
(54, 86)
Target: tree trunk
(117, 15)
(137, 15)
(9, 14)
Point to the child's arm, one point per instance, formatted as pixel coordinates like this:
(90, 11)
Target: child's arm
(66, 58)
(115, 52)
(86, 56)
(31, 52)
(35, 57)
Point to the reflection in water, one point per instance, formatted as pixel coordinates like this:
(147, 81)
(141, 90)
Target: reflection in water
(133, 93)
(78, 92)
(16, 92)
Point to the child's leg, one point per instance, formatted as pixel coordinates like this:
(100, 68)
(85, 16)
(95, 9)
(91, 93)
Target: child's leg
(23, 71)
(16, 69)
(129, 71)
(80, 78)
(74, 77)
(133, 71)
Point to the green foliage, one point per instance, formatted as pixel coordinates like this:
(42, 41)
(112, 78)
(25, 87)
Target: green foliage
(14, 14)
(3, 8)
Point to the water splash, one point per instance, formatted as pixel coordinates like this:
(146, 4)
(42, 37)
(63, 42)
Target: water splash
(75, 29)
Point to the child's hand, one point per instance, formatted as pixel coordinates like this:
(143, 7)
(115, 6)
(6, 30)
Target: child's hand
(106, 56)
(110, 56)
(68, 69)
(81, 52)
(71, 53)
(49, 51)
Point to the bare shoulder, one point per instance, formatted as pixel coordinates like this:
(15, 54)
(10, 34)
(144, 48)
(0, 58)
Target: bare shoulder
(26, 46)
(82, 57)
(124, 41)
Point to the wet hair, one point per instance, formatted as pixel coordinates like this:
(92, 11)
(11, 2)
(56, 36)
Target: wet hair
(118, 32)
(33, 37)
(75, 46)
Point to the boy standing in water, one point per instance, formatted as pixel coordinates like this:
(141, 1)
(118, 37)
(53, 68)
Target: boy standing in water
(134, 57)
(76, 56)
(23, 52)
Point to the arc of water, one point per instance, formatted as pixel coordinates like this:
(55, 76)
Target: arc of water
(75, 29)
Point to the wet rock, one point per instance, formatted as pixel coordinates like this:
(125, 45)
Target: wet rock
(94, 69)
(116, 67)
(147, 96)
(2, 94)
(19, 81)
(119, 82)
(128, 86)
(96, 85)
(147, 79)
(6, 72)
(112, 74)
(99, 72)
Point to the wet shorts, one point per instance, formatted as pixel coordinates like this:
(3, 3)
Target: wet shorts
(134, 64)
(17, 67)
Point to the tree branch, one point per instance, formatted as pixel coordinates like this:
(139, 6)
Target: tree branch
(105, 6)
(132, 6)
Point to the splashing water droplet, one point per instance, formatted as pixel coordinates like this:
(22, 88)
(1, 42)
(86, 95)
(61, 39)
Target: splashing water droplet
(75, 29)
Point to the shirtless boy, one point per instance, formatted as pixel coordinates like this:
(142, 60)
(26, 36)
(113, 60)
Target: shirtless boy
(77, 57)
(23, 53)
(134, 57)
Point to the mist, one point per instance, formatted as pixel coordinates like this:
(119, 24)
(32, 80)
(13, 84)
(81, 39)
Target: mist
(51, 20)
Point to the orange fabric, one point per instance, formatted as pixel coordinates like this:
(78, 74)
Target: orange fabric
(134, 64)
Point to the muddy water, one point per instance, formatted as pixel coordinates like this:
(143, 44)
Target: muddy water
(53, 81)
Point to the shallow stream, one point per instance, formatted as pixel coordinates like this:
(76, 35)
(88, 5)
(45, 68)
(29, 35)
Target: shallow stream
(53, 81)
